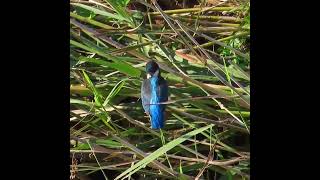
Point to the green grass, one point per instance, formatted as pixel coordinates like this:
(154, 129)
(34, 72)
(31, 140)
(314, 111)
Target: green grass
(204, 54)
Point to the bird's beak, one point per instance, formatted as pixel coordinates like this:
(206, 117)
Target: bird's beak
(148, 76)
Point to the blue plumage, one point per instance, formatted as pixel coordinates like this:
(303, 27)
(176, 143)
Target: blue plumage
(154, 90)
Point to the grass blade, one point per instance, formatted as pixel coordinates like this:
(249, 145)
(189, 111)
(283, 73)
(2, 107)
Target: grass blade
(160, 152)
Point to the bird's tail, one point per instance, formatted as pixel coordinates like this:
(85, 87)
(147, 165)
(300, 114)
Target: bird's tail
(157, 120)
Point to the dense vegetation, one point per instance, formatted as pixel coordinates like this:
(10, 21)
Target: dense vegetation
(203, 49)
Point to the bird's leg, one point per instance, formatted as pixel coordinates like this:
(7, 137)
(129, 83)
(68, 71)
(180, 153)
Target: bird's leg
(146, 114)
(149, 117)
(166, 115)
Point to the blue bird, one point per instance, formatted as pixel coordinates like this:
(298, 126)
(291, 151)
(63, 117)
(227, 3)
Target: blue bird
(154, 90)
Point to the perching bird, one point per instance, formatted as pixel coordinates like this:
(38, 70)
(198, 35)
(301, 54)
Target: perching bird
(154, 90)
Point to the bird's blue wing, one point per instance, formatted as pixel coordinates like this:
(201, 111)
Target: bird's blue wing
(146, 95)
(163, 91)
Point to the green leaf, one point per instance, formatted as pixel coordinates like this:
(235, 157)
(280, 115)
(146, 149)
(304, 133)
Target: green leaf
(82, 146)
(229, 175)
(83, 12)
(160, 151)
(120, 9)
(182, 177)
(116, 89)
(118, 63)
(97, 96)
(128, 48)
(124, 3)
(120, 66)
(137, 14)
(98, 11)
(192, 167)
(128, 132)
(108, 143)
(77, 101)
(98, 100)
(237, 73)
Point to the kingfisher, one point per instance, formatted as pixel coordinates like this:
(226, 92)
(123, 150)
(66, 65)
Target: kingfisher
(154, 90)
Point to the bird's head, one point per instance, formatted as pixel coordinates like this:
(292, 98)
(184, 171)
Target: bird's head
(152, 69)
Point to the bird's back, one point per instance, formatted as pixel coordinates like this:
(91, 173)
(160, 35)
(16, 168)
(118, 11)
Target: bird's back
(163, 91)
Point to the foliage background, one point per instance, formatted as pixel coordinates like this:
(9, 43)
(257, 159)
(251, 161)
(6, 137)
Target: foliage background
(203, 49)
